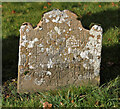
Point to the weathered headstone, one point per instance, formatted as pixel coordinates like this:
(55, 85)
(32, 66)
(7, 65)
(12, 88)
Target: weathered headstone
(58, 52)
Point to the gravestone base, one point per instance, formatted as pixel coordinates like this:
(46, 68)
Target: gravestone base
(27, 88)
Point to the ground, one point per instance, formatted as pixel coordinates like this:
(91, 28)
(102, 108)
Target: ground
(104, 14)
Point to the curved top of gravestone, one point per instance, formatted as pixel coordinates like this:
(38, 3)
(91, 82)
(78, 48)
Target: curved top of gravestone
(58, 17)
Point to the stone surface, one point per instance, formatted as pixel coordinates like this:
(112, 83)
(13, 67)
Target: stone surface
(58, 52)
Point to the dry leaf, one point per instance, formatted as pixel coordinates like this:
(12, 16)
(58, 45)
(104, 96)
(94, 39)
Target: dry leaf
(45, 7)
(49, 4)
(113, 4)
(46, 105)
(13, 12)
(7, 96)
(1, 6)
(109, 39)
(99, 6)
(72, 101)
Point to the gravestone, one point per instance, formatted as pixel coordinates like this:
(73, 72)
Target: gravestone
(58, 52)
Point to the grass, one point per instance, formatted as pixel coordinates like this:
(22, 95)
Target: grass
(82, 96)
(105, 14)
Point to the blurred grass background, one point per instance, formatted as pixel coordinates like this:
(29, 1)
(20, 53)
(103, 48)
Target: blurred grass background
(105, 14)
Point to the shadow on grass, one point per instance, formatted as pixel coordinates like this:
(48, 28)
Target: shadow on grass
(106, 19)
(110, 64)
(9, 58)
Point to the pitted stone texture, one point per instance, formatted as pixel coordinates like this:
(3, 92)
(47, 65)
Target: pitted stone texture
(58, 52)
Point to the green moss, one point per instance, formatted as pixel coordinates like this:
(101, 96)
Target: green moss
(26, 72)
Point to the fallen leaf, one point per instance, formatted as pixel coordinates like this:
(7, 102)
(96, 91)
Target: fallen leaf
(1, 6)
(49, 4)
(45, 7)
(84, 8)
(13, 12)
(109, 39)
(46, 105)
(113, 4)
(99, 6)
(7, 96)
(72, 101)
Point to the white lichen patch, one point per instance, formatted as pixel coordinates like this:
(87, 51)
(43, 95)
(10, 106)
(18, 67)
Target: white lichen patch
(57, 30)
(80, 29)
(64, 14)
(23, 41)
(39, 82)
(56, 20)
(93, 47)
(63, 31)
(29, 54)
(42, 65)
(48, 73)
(46, 20)
(24, 37)
(69, 50)
(50, 64)
(84, 54)
(68, 23)
(42, 49)
(70, 29)
(40, 45)
(31, 43)
(31, 67)
(27, 30)
(27, 77)
(72, 42)
(47, 50)
(96, 30)
(50, 16)
(60, 16)
(40, 28)
(62, 19)
(22, 27)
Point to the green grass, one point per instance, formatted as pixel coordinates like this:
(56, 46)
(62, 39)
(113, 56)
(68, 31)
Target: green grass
(105, 14)
(82, 96)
